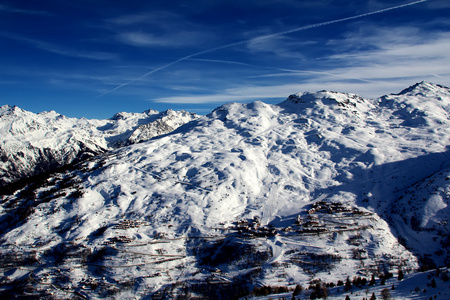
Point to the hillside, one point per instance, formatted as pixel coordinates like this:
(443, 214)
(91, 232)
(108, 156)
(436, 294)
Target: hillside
(34, 143)
(320, 187)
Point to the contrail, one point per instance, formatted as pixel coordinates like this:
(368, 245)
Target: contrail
(261, 38)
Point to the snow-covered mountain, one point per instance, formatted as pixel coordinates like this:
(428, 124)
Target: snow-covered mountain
(32, 143)
(324, 186)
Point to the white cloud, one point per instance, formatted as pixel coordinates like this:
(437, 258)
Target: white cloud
(396, 52)
(240, 94)
(398, 57)
(280, 92)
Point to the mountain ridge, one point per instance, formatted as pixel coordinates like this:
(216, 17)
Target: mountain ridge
(33, 143)
(324, 186)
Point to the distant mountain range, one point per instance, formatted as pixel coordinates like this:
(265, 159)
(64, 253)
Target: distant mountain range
(33, 143)
(322, 187)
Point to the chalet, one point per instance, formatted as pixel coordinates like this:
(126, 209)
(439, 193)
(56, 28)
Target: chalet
(298, 220)
(311, 224)
(242, 223)
(287, 229)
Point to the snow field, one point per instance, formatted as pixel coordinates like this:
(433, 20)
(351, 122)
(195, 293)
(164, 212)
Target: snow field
(164, 214)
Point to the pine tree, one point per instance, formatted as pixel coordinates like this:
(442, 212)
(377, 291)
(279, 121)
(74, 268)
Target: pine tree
(373, 297)
(372, 280)
(320, 290)
(348, 285)
(400, 274)
(298, 290)
(347, 297)
(433, 283)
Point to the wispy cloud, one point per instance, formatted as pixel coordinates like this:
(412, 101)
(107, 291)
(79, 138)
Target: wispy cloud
(84, 80)
(240, 94)
(396, 57)
(53, 48)
(158, 28)
(373, 58)
(262, 38)
(278, 92)
(395, 52)
(281, 72)
(22, 11)
(181, 38)
(157, 17)
(438, 4)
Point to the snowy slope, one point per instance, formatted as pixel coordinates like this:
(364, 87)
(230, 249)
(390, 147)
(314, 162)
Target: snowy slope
(166, 122)
(421, 215)
(249, 195)
(32, 143)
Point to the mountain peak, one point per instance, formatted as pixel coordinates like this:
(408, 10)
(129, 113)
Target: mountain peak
(7, 109)
(4, 108)
(424, 88)
(150, 111)
(324, 98)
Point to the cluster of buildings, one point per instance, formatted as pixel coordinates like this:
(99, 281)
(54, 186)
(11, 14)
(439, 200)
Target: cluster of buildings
(253, 228)
(309, 223)
(118, 239)
(126, 224)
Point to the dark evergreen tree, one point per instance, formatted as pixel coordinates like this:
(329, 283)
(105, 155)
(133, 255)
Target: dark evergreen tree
(298, 289)
(320, 290)
(372, 280)
(348, 285)
(364, 281)
(433, 283)
(373, 297)
(400, 274)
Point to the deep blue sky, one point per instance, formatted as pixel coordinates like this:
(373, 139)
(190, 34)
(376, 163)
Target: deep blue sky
(93, 58)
